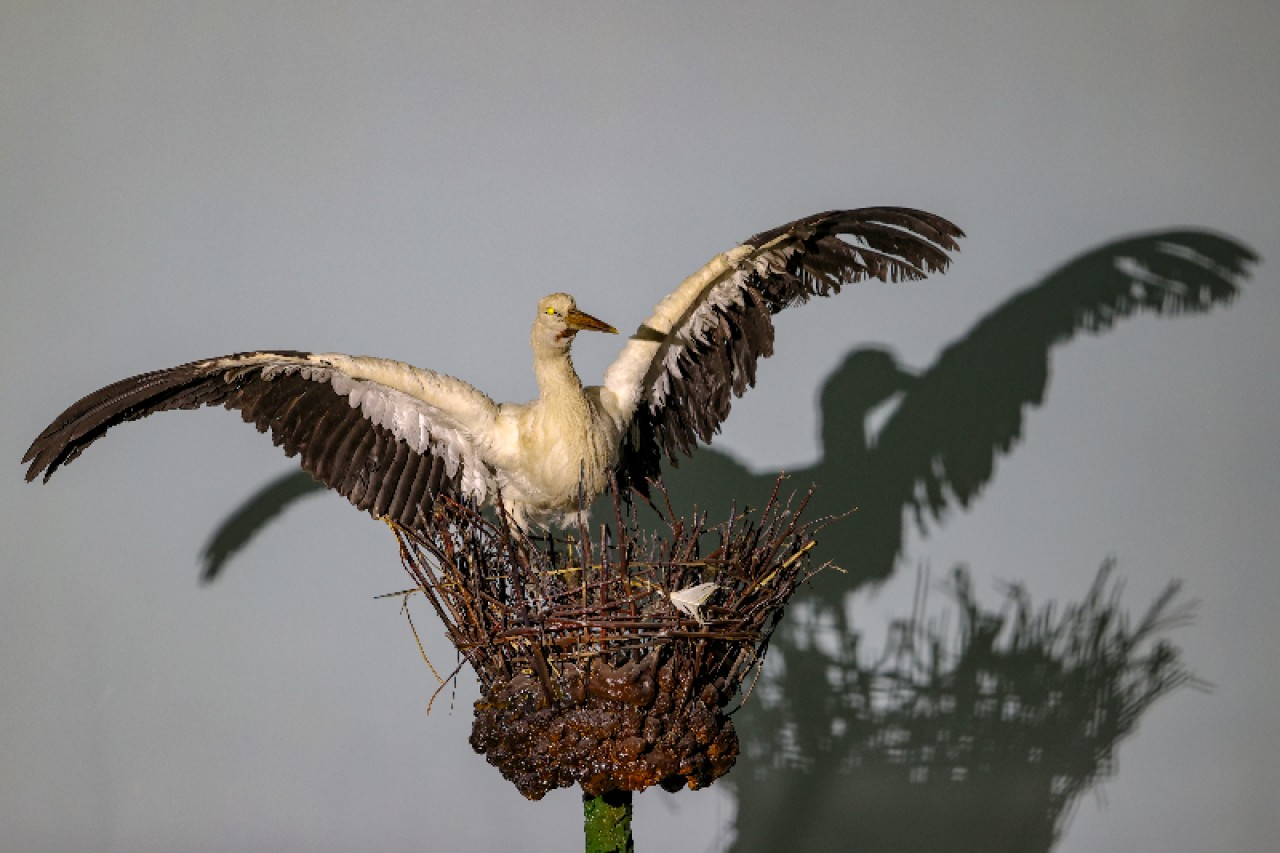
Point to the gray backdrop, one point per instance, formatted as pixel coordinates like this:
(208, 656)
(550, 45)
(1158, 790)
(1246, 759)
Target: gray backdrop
(185, 180)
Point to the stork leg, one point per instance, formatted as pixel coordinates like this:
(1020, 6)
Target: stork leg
(547, 543)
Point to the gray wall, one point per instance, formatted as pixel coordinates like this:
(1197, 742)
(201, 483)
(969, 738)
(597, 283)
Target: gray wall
(185, 180)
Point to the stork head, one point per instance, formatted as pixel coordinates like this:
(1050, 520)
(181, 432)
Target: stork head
(559, 320)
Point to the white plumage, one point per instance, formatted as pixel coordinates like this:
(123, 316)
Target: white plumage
(393, 438)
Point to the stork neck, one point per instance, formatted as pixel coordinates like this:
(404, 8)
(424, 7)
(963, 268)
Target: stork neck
(554, 371)
(845, 444)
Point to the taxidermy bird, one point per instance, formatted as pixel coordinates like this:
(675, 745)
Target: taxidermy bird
(393, 438)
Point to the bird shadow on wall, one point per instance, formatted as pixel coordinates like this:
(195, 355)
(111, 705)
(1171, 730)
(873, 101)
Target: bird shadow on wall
(983, 736)
(980, 737)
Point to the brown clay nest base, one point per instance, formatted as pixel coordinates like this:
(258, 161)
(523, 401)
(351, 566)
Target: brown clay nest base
(608, 662)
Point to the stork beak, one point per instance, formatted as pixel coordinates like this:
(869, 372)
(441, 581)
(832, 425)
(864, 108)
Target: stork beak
(580, 321)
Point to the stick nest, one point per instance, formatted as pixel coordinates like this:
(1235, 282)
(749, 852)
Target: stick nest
(608, 662)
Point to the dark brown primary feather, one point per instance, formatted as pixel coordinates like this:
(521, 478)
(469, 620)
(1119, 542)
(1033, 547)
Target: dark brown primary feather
(891, 244)
(364, 462)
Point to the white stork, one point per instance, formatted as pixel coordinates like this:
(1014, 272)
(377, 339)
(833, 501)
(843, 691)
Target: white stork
(391, 437)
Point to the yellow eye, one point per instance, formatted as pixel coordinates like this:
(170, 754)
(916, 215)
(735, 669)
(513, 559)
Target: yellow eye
(551, 311)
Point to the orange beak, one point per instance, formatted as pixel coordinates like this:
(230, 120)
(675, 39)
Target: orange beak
(580, 321)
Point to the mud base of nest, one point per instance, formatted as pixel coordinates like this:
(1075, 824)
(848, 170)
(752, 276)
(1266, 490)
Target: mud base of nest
(654, 721)
(609, 664)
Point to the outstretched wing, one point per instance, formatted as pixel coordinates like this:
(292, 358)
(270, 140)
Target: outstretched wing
(940, 446)
(676, 378)
(387, 436)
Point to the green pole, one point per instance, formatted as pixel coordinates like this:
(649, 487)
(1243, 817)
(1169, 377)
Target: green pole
(607, 821)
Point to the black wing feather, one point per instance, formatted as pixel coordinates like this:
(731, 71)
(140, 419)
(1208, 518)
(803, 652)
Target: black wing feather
(796, 261)
(364, 462)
